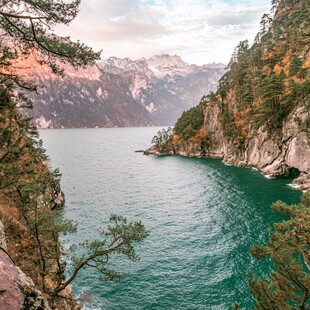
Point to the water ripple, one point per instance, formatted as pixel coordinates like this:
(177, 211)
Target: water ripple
(202, 216)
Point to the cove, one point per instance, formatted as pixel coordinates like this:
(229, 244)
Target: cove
(202, 216)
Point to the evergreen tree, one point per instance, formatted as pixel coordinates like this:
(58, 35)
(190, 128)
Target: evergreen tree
(269, 113)
(288, 287)
(265, 23)
(190, 122)
(295, 65)
(246, 92)
(120, 238)
(274, 4)
(162, 140)
(27, 29)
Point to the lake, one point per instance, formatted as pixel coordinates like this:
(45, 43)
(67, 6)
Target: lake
(202, 216)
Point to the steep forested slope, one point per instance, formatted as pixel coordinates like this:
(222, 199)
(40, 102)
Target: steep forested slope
(30, 196)
(30, 215)
(259, 115)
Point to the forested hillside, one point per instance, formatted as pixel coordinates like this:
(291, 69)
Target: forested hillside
(259, 115)
(267, 81)
(30, 209)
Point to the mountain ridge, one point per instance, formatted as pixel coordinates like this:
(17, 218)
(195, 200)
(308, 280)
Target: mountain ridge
(157, 65)
(120, 92)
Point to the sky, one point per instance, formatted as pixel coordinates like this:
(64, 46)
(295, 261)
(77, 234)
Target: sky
(199, 31)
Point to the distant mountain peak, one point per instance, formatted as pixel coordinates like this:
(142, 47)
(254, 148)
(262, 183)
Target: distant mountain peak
(158, 65)
(123, 92)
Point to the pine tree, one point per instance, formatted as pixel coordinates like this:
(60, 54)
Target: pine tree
(27, 30)
(120, 238)
(295, 65)
(288, 287)
(265, 23)
(162, 140)
(269, 113)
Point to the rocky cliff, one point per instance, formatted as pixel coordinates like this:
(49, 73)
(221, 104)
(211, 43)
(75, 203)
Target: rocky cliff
(260, 114)
(119, 92)
(286, 155)
(17, 291)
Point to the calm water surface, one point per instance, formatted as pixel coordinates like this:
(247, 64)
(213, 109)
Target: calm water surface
(202, 217)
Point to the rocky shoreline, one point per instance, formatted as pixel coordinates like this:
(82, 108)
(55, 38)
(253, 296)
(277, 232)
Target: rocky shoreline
(287, 156)
(301, 182)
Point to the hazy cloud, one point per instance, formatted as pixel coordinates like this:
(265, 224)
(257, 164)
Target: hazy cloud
(200, 31)
(108, 9)
(227, 17)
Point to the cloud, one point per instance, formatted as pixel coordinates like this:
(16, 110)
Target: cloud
(199, 30)
(142, 23)
(107, 9)
(227, 17)
(113, 22)
(134, 26)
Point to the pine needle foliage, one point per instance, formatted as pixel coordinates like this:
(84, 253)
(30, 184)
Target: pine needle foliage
(288, 287)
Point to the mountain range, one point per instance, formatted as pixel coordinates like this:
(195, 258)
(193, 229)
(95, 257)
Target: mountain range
(120, 92)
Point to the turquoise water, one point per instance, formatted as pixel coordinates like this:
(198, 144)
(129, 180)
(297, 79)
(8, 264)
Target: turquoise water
(202, 217)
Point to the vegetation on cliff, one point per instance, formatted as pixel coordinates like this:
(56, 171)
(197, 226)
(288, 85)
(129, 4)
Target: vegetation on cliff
(30, 195)
(264, 83)
(162, 140)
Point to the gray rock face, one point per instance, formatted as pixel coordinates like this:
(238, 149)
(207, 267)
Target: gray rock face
(33, 298)
(17, 291)
(274, 157)
(216, 149)
(297, 141)
(11, 295)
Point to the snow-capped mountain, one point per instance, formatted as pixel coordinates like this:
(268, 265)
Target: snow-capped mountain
(121, 92)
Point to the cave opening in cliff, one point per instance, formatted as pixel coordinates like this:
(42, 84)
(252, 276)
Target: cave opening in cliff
(293, 173)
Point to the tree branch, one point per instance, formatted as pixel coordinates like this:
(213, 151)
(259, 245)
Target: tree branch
(21, 16)
(84, 262)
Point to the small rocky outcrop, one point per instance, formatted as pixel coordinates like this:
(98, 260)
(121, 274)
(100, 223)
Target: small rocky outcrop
(153, 151)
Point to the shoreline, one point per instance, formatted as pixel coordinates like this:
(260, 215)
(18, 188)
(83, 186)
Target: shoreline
(301, 182)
